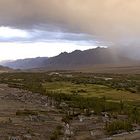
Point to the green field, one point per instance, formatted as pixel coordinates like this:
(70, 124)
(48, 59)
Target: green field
(91, 90)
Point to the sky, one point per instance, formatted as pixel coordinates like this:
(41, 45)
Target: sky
(19, 43)
(32, 28)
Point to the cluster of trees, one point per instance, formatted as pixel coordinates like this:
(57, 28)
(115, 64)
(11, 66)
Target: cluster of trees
(34, 82)
(123, 82)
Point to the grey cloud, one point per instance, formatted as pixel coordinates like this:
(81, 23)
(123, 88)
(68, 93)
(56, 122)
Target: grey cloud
(36, 35)
(111, 20)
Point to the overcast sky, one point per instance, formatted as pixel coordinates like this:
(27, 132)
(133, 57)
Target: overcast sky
(31, 28)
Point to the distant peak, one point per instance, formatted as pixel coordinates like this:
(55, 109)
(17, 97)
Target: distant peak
(63, 53)
(77, 51)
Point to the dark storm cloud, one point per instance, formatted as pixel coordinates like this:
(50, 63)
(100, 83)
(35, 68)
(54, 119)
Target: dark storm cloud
(111, 20)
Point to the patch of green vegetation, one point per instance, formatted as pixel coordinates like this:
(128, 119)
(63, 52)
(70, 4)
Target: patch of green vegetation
(90, 90)
(57, 133)
(26, 112)
(117, 126)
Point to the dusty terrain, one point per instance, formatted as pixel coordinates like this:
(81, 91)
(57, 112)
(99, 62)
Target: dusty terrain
(25, 116)
(31, 116)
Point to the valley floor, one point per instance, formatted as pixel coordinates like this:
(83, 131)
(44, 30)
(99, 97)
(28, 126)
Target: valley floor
(28, 116)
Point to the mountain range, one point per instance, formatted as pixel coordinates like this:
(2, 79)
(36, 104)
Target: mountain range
(73, 60)
(28, 63)
(4, 69)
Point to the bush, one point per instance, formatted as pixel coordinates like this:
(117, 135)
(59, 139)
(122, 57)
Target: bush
(55, 135)
(117, 126)
(26, 112)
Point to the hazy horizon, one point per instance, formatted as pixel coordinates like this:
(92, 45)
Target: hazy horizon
(14, 51)
(47, 28)
(20, 44)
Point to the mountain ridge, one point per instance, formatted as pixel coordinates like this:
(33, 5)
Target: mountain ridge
(77, 58)
(4, 69)
(27, 63)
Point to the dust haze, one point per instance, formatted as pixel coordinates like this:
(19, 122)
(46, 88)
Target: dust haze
(113, 21)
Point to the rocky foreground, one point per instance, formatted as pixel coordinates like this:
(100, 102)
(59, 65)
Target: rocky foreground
(31, 116)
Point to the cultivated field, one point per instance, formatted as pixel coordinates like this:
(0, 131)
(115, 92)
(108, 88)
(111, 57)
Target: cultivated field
(91, 90)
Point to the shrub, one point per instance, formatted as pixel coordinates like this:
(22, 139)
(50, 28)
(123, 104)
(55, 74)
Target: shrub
(117, 126)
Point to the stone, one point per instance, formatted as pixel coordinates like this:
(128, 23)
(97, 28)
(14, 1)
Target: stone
(27, 136)
(14, 138)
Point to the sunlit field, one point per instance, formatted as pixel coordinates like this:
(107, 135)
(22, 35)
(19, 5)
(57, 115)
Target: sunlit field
(91, 90)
